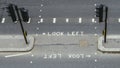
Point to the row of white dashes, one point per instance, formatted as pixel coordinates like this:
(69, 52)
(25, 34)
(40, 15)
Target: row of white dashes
(68, 20)
(3, 20)
(55, 19)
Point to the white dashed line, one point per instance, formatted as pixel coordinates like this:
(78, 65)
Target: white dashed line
(41, 20)
(54, 20)
(3, 20)
(29, 20)
(80, 20)
(119, 20)
(67, 20)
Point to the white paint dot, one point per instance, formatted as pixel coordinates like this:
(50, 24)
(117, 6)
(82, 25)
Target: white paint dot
(37, 28)
(41, 5)
(32, 55)
(95, 60)
(40, 10)
(95, 4)
(40, 16)
(95, 27)
(31, 62)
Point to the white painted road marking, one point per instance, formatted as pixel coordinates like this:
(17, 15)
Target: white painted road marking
(29, 20)
(95, 60)
(14, 55)
(3, 20)
(67, 20)
(93, 20)
(31, 62)
(80, 20)
(54, 20)
(119, 20)
(41, 20)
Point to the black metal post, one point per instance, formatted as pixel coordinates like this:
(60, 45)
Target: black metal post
(22, 28)
(105, 30)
